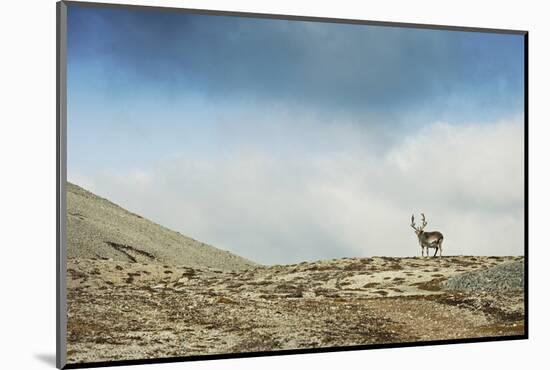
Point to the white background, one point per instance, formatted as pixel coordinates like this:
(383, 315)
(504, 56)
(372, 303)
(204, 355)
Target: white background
(27, 188)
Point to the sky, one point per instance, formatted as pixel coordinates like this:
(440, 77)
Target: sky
(287, 141)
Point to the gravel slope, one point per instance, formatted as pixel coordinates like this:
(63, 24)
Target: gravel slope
(98, 228)
(504, 277)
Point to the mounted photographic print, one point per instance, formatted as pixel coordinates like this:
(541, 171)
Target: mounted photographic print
(235, 184)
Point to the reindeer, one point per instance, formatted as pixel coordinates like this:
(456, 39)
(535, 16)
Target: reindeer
(427, 239)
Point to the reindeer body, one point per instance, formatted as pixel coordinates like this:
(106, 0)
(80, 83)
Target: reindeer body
(428, 239)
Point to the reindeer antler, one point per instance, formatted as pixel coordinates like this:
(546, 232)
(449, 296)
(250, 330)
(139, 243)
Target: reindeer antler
(424, 223)
(412, 222)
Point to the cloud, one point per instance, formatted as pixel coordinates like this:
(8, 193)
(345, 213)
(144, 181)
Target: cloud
(118, 53)
(303, 194)
(286, 141)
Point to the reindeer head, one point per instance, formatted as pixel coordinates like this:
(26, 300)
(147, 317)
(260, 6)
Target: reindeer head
(419, 229)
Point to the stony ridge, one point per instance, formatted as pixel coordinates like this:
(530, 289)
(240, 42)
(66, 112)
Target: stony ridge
(98, 228)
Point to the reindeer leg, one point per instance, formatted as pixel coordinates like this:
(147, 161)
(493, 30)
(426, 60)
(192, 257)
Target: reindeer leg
(436, 249)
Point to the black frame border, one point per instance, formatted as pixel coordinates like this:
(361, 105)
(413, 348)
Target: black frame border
(61, 177)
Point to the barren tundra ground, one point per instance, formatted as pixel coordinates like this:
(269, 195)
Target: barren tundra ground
(120, 310)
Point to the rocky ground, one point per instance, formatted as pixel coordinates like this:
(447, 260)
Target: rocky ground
(121, 310)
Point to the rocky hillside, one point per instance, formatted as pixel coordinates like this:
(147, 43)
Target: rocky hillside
(123, 310)
(98, 228)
